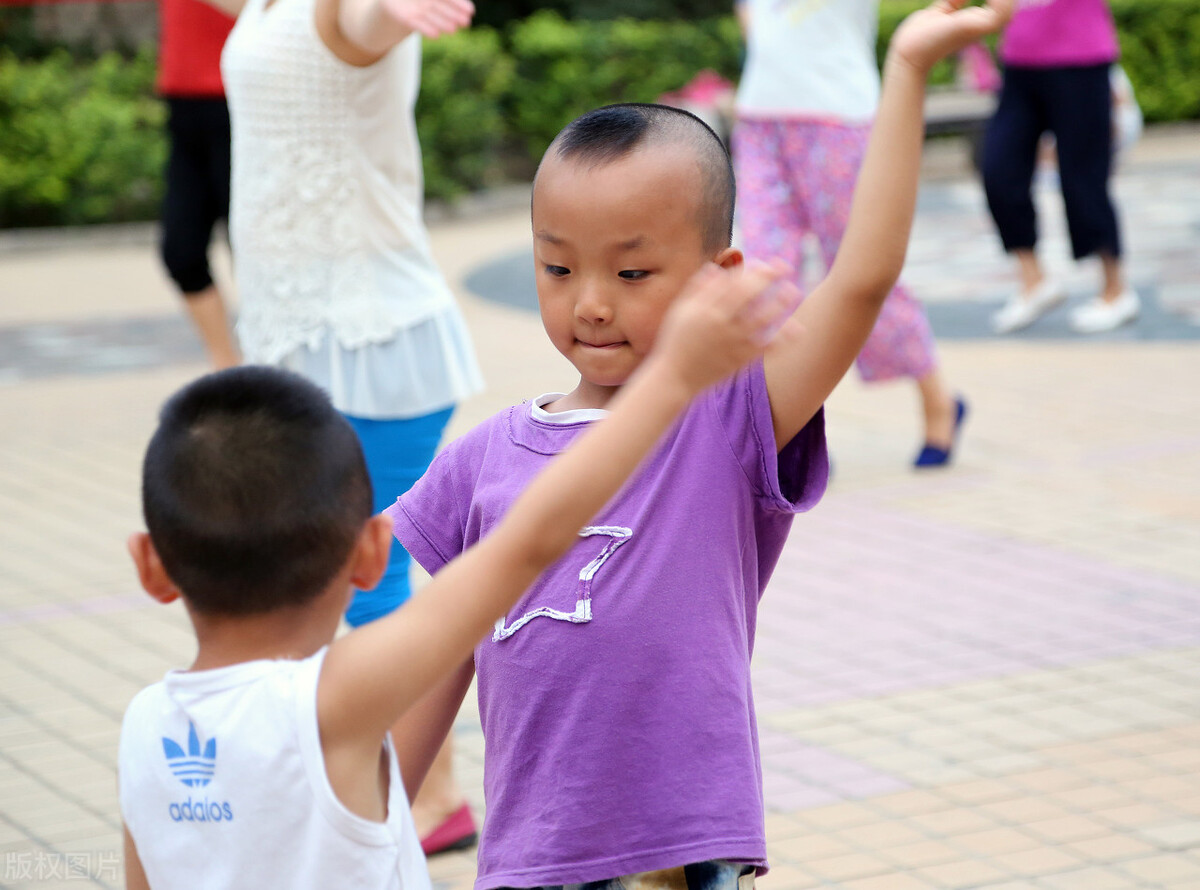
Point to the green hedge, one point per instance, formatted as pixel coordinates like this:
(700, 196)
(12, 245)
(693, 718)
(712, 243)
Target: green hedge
(1160, 50)
(84, 142)
(79, 144)
(566, 68)
(465, 81)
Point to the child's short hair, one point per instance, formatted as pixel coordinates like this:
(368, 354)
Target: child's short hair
(254, 490)
(610, 133)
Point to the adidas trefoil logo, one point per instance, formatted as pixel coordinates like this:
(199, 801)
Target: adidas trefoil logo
(194, 767)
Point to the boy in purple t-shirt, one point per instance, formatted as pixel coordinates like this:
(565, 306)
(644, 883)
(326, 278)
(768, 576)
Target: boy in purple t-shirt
(615, 696)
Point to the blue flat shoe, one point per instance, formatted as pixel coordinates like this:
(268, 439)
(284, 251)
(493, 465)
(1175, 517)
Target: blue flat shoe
(931, 456)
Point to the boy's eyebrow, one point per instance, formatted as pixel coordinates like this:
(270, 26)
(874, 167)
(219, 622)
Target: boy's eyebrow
(632, 244)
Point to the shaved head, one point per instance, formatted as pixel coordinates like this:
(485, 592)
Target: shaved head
(613, 132)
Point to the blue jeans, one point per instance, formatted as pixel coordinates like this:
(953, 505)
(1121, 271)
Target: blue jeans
(398, 453)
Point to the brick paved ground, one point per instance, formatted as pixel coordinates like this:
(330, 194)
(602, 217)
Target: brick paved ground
(986, 677)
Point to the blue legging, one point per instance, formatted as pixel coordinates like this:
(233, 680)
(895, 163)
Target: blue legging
(398, 453)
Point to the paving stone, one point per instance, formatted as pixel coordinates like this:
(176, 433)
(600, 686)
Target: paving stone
(962, 874)
(1166, 868)
(848, 867)
(888, 882)
(1090, 878)
(1173, 835)
(1109, 848)
(812, 847)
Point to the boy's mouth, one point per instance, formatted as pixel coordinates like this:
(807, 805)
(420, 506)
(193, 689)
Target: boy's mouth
(612, 345)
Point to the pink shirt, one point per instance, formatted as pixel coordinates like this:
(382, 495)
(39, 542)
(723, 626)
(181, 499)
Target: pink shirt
(1060, 33)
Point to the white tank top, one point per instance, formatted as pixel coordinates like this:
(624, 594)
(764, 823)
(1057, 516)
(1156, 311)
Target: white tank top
(326, 199)
(223, 785)
(811, 59)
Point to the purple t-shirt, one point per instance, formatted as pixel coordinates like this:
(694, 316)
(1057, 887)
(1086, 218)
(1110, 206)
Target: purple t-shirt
(615, 697)
(1060, 34)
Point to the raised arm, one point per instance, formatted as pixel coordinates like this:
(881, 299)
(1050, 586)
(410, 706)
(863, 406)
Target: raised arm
(373, 675)
(419, 734)
(360, 32)
(801, 371)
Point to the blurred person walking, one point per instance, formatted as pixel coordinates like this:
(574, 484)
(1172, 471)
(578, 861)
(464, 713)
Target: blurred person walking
(191, 35)
(805, 104)
(335, 273)
(1057, 56)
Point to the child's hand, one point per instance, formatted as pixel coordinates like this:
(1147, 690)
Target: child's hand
(945, 27)
(431, 18)
(724, 319)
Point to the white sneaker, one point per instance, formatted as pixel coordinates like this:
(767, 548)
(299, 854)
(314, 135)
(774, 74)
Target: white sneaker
(1024, 308)
(1098, 315)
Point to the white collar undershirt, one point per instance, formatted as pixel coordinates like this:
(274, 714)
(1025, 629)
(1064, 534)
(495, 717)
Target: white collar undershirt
(575, 415)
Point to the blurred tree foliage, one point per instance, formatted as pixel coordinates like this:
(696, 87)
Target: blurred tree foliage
(85, 30)
(504, 13)
(565, 68)
(1160, 51)
(17, 34)
(465, 80)
(79, 144)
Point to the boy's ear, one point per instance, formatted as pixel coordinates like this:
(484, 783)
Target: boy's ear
(730, 258)
(370, 558)
(150, 569)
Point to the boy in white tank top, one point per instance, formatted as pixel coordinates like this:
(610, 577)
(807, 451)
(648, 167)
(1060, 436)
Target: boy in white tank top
(267, 763)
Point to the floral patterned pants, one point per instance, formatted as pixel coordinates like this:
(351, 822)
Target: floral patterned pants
(796, 177)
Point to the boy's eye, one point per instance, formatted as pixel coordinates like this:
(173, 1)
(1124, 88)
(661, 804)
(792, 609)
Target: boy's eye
(557, 271)
(633, 274)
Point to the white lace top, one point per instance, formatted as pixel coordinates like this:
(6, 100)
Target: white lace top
(335, 275)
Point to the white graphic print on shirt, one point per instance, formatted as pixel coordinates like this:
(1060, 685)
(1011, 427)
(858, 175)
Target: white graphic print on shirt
(582, 612)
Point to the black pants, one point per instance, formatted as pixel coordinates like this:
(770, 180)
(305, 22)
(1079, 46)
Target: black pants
(197, 192)
(1075, 104)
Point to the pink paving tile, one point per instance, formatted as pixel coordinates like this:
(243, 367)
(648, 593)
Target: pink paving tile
(867, 602)
(798, 775)
(100, 605)
(788, 801)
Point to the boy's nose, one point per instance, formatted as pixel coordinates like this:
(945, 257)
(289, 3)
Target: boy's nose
(592, 305)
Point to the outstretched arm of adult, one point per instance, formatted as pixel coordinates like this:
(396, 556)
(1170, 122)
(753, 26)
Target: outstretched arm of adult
(361, 32)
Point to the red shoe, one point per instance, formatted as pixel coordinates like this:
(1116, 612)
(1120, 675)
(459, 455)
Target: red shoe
(457, 832)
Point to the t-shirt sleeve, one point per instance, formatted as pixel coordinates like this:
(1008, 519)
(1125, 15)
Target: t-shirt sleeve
(787, 480)
(427, 520)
